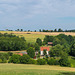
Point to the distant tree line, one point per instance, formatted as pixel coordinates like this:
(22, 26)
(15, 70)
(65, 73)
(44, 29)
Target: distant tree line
(42, 30)
(55, 30)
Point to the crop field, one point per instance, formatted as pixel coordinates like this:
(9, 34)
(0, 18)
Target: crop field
(32, 36)
(24, 69)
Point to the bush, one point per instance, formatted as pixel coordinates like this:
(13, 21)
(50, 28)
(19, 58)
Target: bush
(10, 53)
(25, 59)
(41, 62)
(31, 52)
(53, 61)
(64, 60)
(32, 61)
(4, 57)
(14, 59)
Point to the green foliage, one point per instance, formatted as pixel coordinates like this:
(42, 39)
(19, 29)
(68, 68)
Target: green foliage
(56, 50)
(37, 47)
(39, 41)
(53, 61)
(4, 57)
(10, 53)
(9, 42)
(64, 60)
(60, 30)
(44, 52)
(46, 56)
(56, 41)
(32, 61)
(48, 39)
(41, 62)
(65, 39)
(0, 60)
(31, 52)
(15, 59)
(72, 49)
(25, 59)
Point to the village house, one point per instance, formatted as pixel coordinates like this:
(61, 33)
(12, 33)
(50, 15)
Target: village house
(44, 48)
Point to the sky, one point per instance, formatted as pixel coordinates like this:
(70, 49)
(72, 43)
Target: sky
(37, 14)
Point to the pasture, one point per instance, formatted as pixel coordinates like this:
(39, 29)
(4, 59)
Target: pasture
(32, 36)
(24, 69)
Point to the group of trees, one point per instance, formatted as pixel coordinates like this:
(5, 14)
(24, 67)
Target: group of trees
(43, 30)
(5, 56)
(25, 59)
(63, 46)
(10, 42)
(61, 39)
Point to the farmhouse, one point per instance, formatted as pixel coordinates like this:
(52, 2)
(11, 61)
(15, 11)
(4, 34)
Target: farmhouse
(44, 48)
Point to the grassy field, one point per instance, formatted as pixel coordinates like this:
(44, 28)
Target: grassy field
(32, 36)
(72, 60)
(23, 69)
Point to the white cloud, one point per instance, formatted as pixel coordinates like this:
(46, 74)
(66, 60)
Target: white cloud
(34, 7)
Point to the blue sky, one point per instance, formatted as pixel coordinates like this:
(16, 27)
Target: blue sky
(37, 14)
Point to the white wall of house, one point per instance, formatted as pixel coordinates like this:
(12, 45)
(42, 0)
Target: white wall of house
(47, 52)
(41, 52)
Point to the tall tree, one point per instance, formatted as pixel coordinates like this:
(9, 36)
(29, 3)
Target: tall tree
(72, 49)
(39, 41)
(31, 52)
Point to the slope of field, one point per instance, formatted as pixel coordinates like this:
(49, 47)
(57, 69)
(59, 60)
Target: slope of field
(32, 36)
(23, 69)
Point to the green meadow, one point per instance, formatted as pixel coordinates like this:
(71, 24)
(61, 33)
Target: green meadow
(24, 69)
(31, 37)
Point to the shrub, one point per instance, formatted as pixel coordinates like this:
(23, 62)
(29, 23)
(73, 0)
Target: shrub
(32, 61)
(41, 62)
(64, 60)
(14, 59)
(53, 61)
(10, 53)
(31, 52)
(25, 59)
(4, 57)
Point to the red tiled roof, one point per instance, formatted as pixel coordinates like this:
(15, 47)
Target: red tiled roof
(45, 48)
(21, 54)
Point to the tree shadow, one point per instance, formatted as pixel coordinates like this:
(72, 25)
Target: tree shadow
(67, 73)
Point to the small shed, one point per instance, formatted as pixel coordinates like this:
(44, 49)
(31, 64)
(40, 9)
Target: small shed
(50, 43)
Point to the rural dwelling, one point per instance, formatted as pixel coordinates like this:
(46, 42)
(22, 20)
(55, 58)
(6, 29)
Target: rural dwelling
(44, 48)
